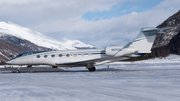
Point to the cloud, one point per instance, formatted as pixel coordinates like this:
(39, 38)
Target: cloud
(17, 1)
(63, 19)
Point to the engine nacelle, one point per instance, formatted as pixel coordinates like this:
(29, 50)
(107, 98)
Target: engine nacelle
(112, 50)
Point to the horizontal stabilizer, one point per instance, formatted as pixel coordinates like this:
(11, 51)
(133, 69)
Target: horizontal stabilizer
(161, 30)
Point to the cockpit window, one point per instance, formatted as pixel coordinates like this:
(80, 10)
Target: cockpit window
(19, 55)
(30, 53)
(22, 54)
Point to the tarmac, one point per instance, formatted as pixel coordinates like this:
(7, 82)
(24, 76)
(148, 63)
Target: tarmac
(30, 70)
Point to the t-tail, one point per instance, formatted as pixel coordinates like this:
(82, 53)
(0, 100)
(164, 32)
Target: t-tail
(142, 44)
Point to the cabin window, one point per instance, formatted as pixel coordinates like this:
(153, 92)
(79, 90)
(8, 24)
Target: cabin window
(82, 54)
(38, 56)
(90, 54)
(60, 55)
(53, 56)
(67, 55)
(74, 54)
(45, 56)
(86, 54)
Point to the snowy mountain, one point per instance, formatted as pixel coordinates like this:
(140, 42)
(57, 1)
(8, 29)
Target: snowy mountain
(164, 39)
(7, 49)
(15, 39)
(166, 43)
(25, 44)
(38, 38)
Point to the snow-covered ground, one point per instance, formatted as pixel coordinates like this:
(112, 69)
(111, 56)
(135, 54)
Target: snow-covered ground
(137, 81)
(171, 58)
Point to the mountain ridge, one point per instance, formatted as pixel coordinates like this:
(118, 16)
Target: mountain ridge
(163, 39)
(20, 39)
(39, 38)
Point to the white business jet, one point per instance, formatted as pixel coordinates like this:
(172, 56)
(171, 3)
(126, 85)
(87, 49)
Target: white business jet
(90, 58)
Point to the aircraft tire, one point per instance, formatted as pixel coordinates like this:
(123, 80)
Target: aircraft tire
(18, 71)
(92, 69)
(29, 66)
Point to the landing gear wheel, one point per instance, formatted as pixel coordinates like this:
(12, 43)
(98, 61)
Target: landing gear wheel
(92, 69)
(18, 71)
(54, 66)
(29, 66)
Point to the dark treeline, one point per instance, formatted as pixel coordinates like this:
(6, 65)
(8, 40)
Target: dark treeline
(172, 48)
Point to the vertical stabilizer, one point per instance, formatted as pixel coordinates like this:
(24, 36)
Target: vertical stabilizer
(142, 44)
(144, 41)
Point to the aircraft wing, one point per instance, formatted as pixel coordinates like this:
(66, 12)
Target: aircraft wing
(80, 63)
(92, 62)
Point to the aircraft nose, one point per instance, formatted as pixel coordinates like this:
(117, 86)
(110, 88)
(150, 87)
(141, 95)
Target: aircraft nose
(9, 62)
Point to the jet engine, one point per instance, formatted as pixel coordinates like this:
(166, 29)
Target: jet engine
(112, 50)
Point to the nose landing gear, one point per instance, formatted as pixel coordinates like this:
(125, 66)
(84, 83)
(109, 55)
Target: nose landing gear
(18, 71)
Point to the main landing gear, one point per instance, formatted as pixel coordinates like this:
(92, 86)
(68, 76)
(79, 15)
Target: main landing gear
(92, 69)
(29, 66)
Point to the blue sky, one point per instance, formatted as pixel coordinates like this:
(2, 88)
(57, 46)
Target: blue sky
(122, 8)
(96, 22)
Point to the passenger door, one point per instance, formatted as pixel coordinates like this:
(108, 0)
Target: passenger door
(29, 59)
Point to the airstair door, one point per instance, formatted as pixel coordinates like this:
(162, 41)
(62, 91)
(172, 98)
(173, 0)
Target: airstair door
(29, 59)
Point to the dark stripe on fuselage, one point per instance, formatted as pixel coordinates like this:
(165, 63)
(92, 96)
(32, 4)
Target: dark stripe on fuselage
(140, 53)
(98, 53)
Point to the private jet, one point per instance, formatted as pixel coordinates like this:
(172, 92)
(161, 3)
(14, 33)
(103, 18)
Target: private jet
(90, 58)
